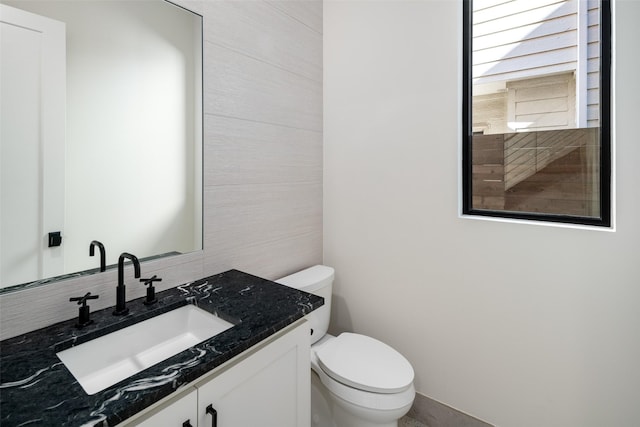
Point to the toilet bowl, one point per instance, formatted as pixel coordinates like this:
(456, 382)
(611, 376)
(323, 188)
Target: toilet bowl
(356, 380)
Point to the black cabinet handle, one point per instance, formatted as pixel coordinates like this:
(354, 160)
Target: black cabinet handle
(214, 416)
(187, 424)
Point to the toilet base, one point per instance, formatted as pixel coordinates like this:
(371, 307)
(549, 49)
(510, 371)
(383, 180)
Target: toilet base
(328, 410)
(321, 413)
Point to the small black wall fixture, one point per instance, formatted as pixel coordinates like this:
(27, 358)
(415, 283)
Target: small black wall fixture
(55, 239)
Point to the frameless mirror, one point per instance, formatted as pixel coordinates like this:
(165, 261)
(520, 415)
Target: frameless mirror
(101, 134)
(536, 113)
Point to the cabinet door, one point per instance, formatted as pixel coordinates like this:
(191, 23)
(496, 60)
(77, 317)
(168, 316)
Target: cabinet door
(176, 413)
(270, 388)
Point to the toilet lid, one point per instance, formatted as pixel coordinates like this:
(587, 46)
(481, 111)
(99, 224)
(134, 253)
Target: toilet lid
(365, 363)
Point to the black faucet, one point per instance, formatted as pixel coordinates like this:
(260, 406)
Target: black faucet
(121, 306)
(103, 261)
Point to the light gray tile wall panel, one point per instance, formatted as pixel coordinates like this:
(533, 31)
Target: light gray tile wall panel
(239, 86)
(244, 152)
(262, 162)
(251, 214)
(258, 30)
(263, 139)
(196, 6)
(271, 259)
(307, 12)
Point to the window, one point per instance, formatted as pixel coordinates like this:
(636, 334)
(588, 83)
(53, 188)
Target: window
(536, 110)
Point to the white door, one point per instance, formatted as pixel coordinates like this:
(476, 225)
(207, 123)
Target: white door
(32, 134)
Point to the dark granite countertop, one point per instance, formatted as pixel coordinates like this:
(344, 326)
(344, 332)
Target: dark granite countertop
(37, 389)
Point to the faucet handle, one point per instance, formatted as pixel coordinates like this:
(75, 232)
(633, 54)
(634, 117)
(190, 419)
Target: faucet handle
(150, 280)
(151, 292)
(83, 299)
(83, 311)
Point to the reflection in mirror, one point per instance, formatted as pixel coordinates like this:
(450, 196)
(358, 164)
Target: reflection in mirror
(537, 110)
(101, 134)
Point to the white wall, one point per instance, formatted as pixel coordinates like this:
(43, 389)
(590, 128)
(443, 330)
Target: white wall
(517, 324)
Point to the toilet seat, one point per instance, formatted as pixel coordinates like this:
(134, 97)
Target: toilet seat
(365, 399)
(384, 401)
(355, 360)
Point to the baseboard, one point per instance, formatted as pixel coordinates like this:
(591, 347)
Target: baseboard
(436, 414)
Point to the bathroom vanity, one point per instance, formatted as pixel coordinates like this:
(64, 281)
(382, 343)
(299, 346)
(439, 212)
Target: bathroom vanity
(257, 389)
(256, 372)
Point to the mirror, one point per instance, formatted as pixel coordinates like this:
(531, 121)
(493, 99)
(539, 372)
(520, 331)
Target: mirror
(536, 110)
(101, 134)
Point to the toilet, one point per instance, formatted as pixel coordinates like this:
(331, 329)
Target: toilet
(356, 380)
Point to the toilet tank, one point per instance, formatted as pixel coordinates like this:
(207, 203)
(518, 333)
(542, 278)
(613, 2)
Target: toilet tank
(317, 280)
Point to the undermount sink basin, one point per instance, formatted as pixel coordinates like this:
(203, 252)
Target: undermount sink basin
(104, 361)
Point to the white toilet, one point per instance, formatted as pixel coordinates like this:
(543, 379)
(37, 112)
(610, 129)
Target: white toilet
(356, 380)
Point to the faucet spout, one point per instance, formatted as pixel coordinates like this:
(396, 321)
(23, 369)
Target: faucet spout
(103, 261)
(121, 305)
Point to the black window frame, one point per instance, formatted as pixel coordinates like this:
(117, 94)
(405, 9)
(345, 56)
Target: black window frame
(605, 129)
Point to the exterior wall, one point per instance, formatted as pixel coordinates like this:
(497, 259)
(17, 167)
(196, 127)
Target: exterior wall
(535, 104)
(262, 160)
(517, 324)
(490, 113)
(522, 39)
(593, 64)
(543, 103)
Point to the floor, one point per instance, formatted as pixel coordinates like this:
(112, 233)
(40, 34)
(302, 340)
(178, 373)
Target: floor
(410, 422)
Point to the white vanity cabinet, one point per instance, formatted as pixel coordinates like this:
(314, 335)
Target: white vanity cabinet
(267, 386)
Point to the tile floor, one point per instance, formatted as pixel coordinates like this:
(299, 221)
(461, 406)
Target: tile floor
(410, 422)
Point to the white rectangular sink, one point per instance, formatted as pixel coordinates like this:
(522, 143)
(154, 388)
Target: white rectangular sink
(104, 361)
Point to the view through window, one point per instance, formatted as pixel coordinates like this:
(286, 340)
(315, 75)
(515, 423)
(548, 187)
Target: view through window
(536, 110)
